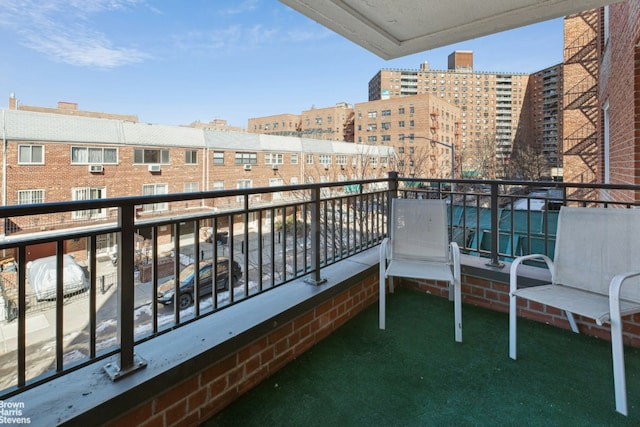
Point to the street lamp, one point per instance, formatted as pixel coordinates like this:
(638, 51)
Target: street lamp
(453, 155)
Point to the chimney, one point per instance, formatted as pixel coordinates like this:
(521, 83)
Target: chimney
(13, 103)
(69, 106)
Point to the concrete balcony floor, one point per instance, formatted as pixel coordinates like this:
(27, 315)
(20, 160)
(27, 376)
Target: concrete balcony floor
(414, 374)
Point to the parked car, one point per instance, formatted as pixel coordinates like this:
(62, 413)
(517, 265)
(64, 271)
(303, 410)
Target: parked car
(41, 277)
(187, 276)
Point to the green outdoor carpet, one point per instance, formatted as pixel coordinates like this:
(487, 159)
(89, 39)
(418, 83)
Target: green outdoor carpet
(414, 374)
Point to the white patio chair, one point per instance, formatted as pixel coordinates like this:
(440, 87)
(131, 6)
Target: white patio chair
(418, 247)
(596, 253)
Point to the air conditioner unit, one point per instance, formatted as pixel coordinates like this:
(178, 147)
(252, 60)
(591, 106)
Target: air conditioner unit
(274, 167)
(247, 167)
(95, 168)
(154, 168)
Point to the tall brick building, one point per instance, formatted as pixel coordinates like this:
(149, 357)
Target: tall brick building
(618, 44)
(581, 113)
(413, 126)
(492, 104)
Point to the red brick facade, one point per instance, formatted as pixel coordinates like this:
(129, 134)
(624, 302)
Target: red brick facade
(620, 90)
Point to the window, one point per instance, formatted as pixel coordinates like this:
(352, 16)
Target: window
(240, 184)
(386, 138)
(144, 156)
(401, 110)
(273, 159)
(341, 159)
(30, 197)
(93, 155)
(276, 182)
(246, 158)
(324, 159)
(309, 159)
(385, 113)
(31, 154)
(401, 124)
(218, 157)
(294, 158)
(190, 187)
(411, 110)
(385, 125)
(372, 114)
(372, 127)
(153, 190)
(89, 193)
(372, 138)
(218, 185)
(191, 157)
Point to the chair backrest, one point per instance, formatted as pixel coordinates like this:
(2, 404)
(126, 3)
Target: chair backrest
(419, 230)
(595, 244)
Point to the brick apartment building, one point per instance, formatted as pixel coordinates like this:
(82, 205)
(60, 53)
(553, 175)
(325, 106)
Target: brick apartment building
(66, 154)
(545, 114)
(493, 105)
(618, 46)
(329, 124)
(422, 130)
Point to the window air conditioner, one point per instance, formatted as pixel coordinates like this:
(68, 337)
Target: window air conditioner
(274, 167)
(247, 167)
(154, 168)
(95, 168)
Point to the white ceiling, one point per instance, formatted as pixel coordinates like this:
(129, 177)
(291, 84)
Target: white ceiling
(394, 28)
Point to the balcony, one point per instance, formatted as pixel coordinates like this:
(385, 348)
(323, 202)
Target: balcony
(309, 266)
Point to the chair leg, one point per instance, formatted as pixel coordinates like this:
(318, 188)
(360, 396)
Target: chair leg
(382, 298)
(512, 326)
(619, 380)
(457, 309)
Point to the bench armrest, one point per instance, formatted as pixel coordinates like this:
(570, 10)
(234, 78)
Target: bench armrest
(614, 293)
(513, 272)
(384, 251)
(454, 255)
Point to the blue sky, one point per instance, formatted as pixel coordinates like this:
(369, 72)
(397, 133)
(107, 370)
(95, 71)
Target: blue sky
(176, 61)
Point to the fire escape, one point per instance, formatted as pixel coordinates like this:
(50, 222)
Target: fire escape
(581, 68)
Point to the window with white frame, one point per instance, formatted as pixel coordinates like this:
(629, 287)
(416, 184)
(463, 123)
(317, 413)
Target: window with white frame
(273, 159)
(341, 159)
(30, 154)
(191, 157)
(144, 156)
(89, 193)
(293, 180)
(155, 190)
(218, 185)
(30, 197)
(309, 159)
(190, 187)
(218, 157)
(324, 159)
(94, 155)
(276, 182)
(240, 184)
(373, 161)
(294, 158)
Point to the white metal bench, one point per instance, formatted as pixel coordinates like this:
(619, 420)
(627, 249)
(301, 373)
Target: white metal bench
(596, 253)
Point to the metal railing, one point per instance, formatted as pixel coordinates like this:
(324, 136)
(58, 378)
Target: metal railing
(257, 239)
(272, 236)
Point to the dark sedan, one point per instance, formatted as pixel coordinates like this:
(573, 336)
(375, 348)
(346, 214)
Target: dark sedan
(187, 279)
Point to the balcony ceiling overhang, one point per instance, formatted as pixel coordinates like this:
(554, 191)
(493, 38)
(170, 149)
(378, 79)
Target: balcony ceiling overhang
(395, 28)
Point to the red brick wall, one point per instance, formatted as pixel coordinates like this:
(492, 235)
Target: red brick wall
(200, 397)
(620, 72)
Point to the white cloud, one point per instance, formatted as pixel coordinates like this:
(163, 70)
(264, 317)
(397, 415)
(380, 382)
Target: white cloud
(60, 29)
